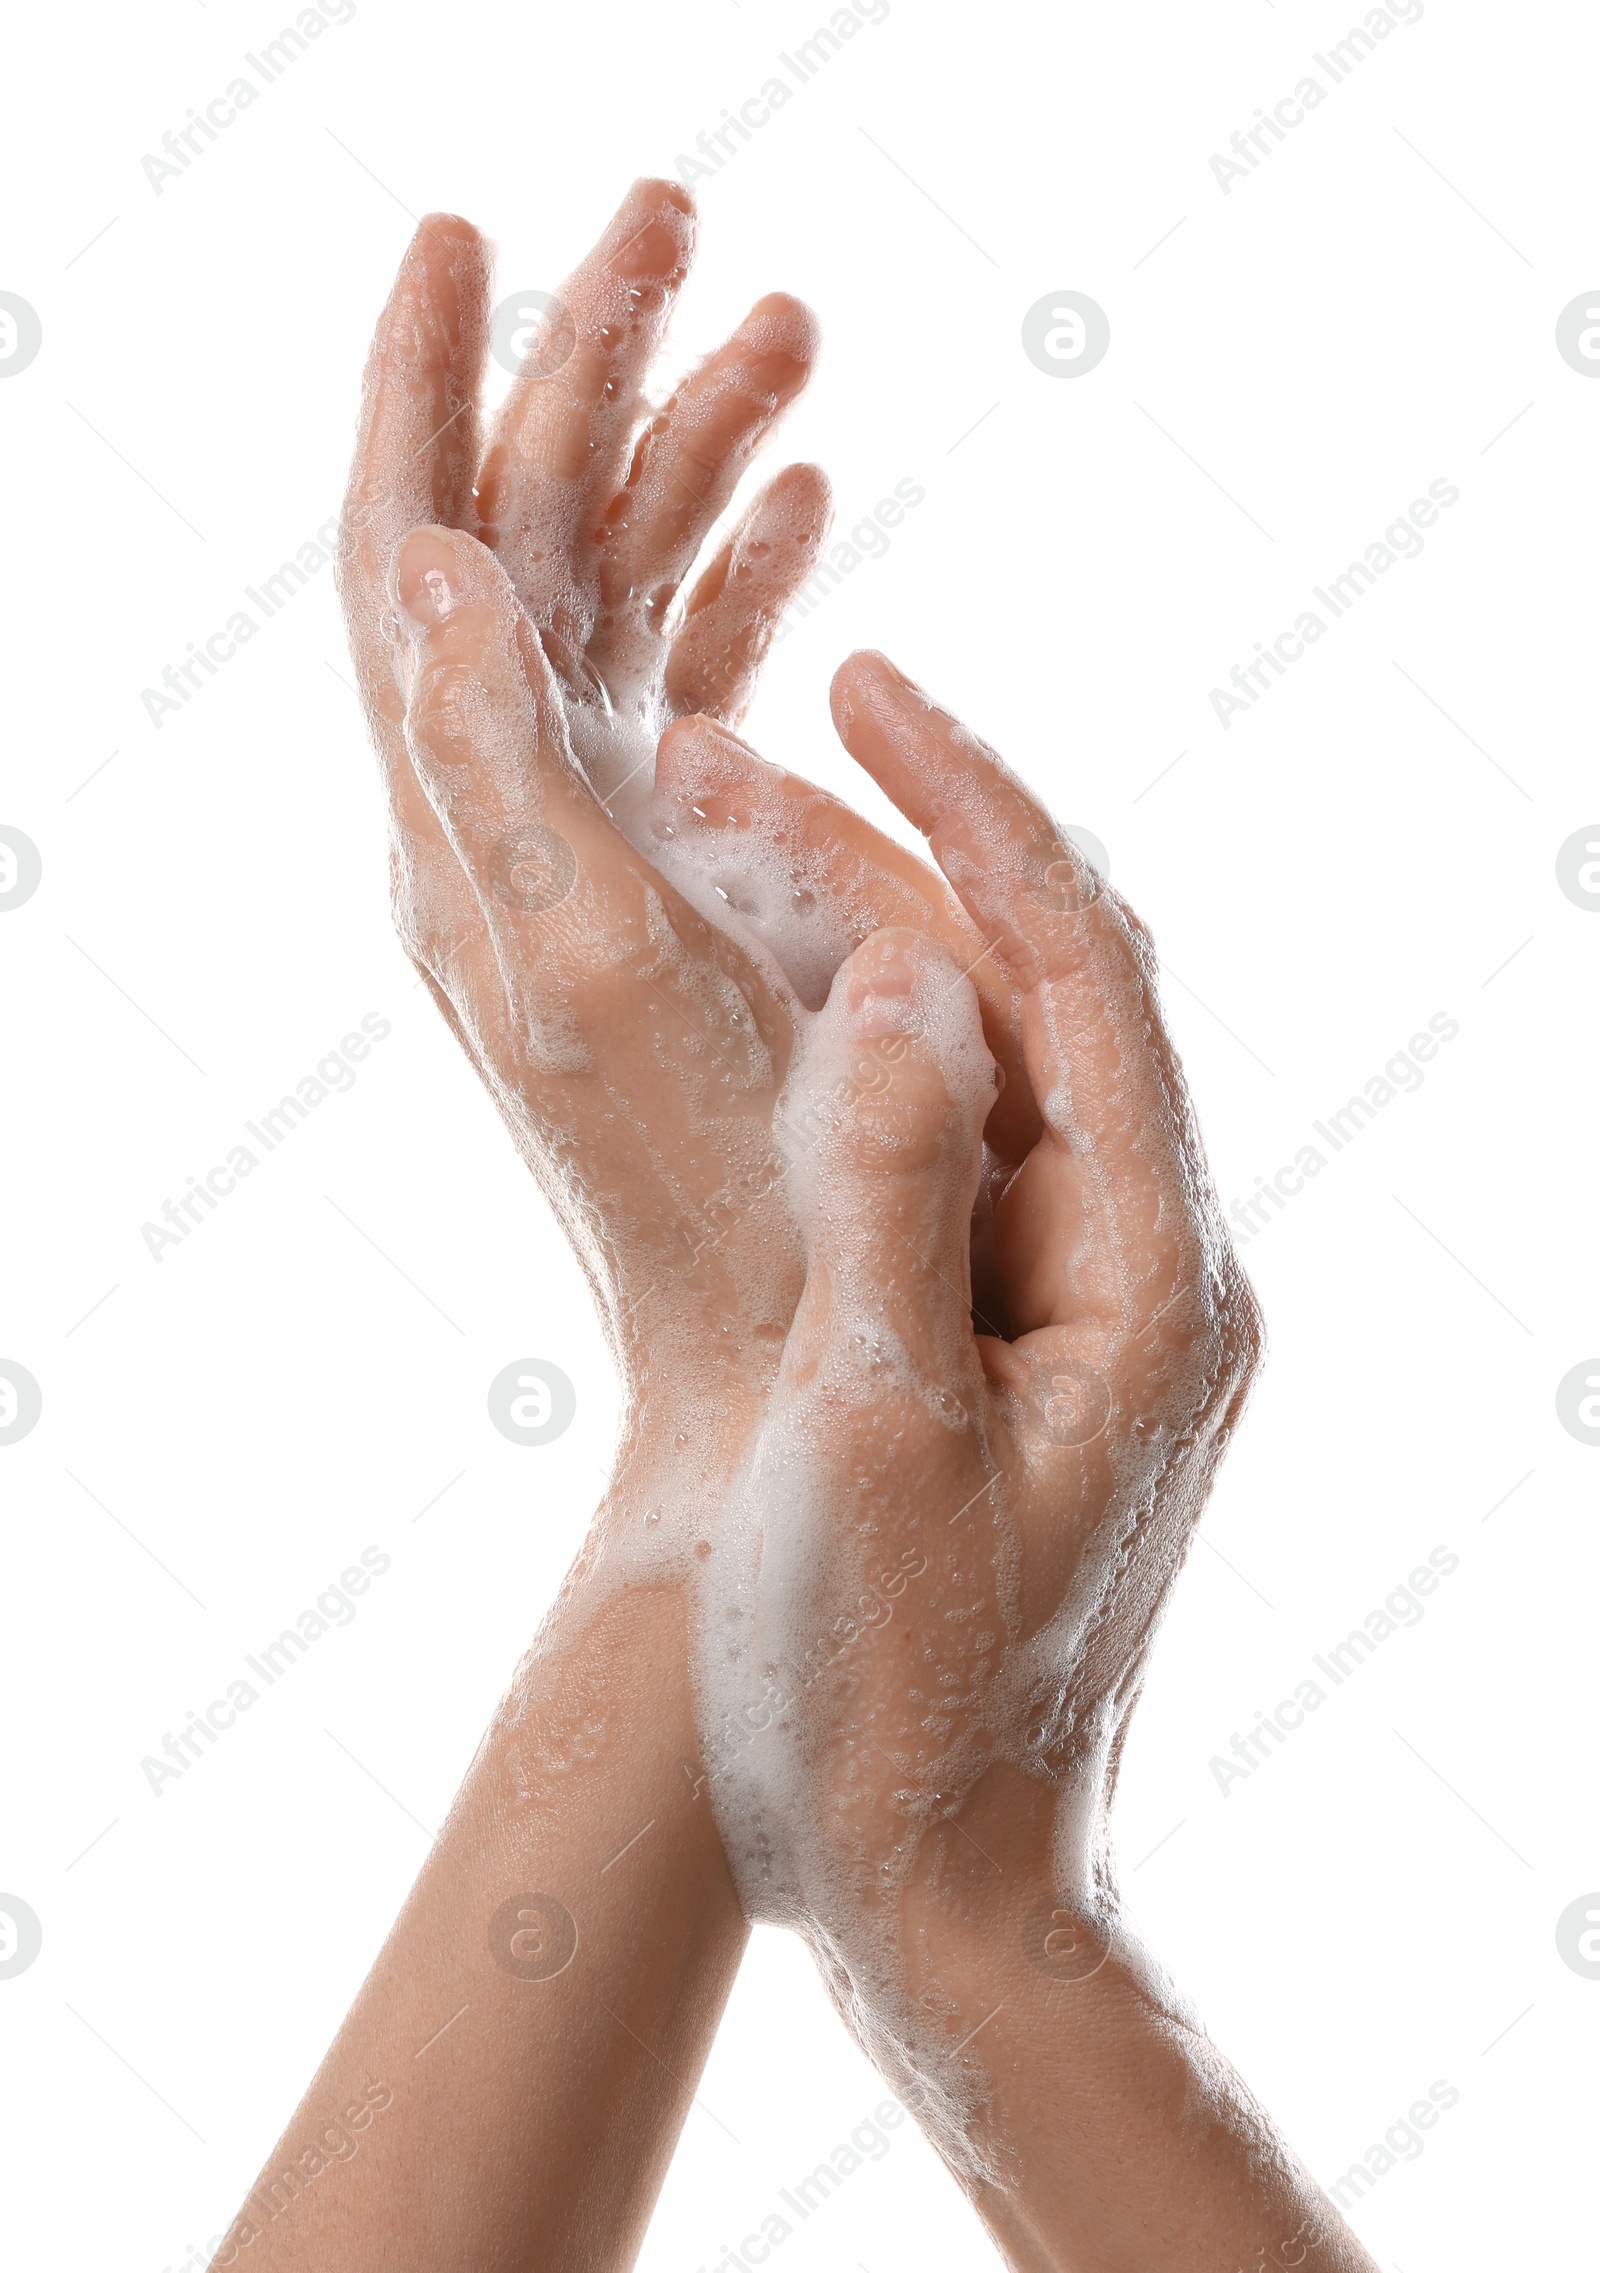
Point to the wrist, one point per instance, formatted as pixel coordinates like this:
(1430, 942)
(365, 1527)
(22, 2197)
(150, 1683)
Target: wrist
(685, 1432)
(1020, 1873)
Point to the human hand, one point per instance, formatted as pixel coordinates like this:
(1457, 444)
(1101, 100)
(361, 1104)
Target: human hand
(634, 971)
(926, 1612)
(559, 546)
(595, 505)
(649, 1133)
(509, 627)
(927, 1616)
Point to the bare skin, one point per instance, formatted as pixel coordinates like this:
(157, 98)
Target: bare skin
(981, 1532)
(637, 1052)
(759, 1157)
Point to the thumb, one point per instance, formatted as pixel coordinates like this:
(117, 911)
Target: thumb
(882, 1121)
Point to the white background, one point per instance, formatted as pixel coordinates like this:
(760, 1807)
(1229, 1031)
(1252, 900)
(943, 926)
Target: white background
(1375, 842)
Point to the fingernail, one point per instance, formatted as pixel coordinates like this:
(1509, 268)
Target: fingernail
(423, 578)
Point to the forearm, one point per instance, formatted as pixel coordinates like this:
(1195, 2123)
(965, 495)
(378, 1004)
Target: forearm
(1118, 2136)
(517, 2085)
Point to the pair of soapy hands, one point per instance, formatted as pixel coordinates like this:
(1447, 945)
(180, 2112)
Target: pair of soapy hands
(884, 1176)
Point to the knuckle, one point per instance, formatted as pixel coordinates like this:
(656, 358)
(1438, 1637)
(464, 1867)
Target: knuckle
(428, 940)
(445, 703)
(1242, 1328)
(1141, 939)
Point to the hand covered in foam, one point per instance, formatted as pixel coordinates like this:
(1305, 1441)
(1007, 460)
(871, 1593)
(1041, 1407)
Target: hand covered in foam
(519, 654)
(925, 1621)
(594, 504)
(517, 665)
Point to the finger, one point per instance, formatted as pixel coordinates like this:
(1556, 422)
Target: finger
(605, 964)
(1110, 1220)
(734, 610)
(686, 466)
(883, 1428)
(814, 879)
(415, 451)
(560, 445)
(973, 810)
(488, 741)
(417, 443)
(882, 1125)
(638, 1054)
